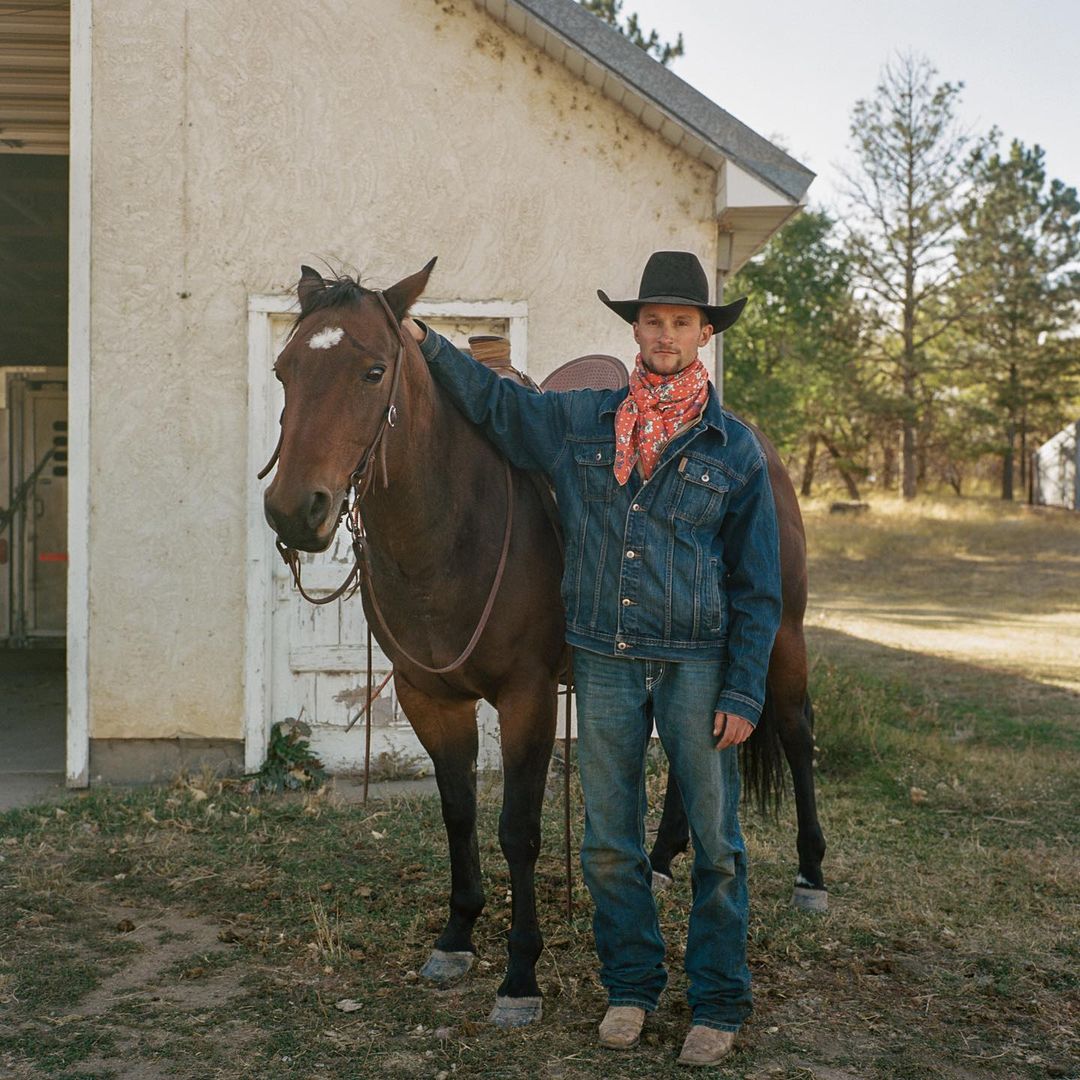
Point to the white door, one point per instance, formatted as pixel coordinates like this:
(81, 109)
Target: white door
(317, 655)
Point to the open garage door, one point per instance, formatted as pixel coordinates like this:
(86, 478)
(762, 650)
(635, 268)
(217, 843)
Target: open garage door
(34, 195)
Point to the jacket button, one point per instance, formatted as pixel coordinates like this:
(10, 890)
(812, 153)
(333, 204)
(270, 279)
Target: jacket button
(630, 555)
(599, 456)
(704, 477)
(622, 645)
(626, 601)
(636, 506)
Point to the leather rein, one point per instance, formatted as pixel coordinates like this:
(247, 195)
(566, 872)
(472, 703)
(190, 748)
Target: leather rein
(359, 484)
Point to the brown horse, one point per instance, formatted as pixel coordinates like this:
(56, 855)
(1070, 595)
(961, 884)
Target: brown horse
(363, 415)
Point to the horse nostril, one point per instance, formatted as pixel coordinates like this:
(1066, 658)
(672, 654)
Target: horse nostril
(318, 508)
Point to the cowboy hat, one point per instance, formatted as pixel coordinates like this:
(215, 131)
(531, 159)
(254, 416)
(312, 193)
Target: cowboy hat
(676, 277)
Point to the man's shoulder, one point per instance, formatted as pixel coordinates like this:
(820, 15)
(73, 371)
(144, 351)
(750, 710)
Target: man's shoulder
(741, 447)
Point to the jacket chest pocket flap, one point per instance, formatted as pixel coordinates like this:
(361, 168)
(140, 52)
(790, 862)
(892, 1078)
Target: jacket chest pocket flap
(596, 470)
(699, 491)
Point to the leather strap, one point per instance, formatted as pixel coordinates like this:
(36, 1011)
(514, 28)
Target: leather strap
(488, 605)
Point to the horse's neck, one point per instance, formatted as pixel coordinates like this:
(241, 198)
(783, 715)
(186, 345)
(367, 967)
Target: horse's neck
(430, 457)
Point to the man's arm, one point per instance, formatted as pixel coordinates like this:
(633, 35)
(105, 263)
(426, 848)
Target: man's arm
(752, 561)
(529, 428)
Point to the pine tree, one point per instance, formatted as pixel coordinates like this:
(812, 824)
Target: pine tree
(610, 10)
(792, 362)
(904, 208)
(1021, 285)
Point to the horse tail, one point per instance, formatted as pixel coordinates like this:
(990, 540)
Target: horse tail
(763, 759)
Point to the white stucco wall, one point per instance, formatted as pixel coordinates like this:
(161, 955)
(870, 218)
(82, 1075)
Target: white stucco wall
(231, 142)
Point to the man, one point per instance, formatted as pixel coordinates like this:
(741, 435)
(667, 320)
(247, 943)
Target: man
(672, 593)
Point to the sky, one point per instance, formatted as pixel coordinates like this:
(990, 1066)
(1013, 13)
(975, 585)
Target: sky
(792, 71)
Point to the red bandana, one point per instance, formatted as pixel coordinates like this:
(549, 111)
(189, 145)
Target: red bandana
(654, 410)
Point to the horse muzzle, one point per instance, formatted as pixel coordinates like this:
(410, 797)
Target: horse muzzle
(308, 522)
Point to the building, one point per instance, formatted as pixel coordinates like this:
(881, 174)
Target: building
(213, 148)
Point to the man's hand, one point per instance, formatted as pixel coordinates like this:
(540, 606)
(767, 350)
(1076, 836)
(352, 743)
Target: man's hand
(412, 329)
(731, 730)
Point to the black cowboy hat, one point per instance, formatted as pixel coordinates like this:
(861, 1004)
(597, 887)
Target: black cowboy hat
(676, 277)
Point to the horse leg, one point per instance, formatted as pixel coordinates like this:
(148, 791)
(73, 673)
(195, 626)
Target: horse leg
(527, 727)
(447, 730)
(672, 837)
(797, 736)
(787, 684)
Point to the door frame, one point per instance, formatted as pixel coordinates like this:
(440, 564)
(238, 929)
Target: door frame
(79, 250)
(258, 588)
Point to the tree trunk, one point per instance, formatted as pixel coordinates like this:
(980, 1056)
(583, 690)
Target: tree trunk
(888, 461)
(1023, 454)
(808, 467)
(910, 484)
(1007, 463)
(845, 475)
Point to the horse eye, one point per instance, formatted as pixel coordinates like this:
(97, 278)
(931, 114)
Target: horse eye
(375, 374)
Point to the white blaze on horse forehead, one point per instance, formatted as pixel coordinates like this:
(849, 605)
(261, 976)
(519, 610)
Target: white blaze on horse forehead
(326, 338)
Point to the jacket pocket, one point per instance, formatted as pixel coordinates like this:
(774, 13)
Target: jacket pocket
(595, 464)
(715, 604)
(699, 492)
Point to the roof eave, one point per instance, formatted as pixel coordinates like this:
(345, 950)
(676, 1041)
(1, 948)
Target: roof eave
(622, 71)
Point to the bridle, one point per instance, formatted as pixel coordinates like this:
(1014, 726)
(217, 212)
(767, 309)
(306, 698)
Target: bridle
(360, 480)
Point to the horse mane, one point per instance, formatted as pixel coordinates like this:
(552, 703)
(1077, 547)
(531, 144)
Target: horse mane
(337, 292)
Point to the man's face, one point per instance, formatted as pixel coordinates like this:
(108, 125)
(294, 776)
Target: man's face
(669, 336)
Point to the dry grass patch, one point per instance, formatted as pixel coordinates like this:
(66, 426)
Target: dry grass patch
(967, 579)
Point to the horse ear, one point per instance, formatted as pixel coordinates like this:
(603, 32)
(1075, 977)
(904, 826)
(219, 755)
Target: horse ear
(311, 282)
(403, 295)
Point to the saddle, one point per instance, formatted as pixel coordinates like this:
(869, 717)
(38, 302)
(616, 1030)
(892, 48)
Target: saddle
(595, 371)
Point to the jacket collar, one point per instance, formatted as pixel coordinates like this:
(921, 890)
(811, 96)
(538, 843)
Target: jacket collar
(712, 415)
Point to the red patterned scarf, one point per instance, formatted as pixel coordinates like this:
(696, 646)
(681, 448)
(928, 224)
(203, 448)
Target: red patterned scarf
(654, 410)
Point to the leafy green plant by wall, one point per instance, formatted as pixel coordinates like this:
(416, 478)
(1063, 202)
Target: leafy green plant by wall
(290, 765)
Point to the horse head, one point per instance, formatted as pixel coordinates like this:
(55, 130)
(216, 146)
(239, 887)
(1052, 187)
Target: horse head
(339, 369)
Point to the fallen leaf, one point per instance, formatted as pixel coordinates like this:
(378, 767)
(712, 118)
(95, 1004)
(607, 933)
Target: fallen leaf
(918, 795)
(347, 1005)
(125, 926)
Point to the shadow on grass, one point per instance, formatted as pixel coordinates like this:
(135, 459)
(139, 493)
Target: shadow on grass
(961, 701)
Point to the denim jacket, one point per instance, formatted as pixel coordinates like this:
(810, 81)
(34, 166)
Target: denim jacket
(683, 566)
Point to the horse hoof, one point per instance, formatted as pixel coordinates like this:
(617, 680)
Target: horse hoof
(805, 898)
(516, 1012)
(444, 968)
(661, 881)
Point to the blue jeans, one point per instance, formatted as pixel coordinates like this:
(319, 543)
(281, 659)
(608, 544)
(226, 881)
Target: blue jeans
(618, 699)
